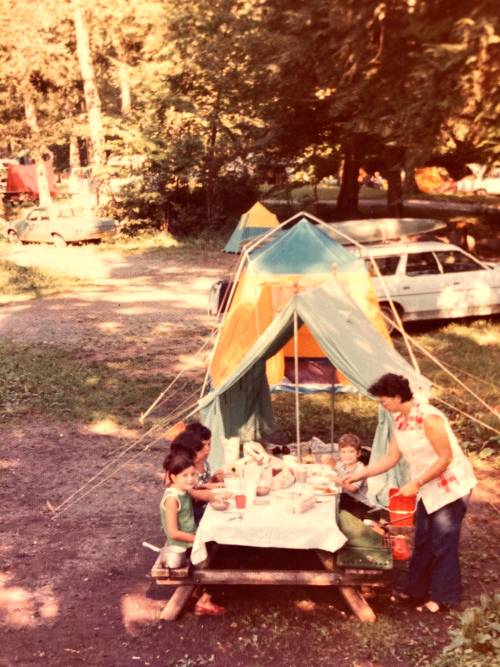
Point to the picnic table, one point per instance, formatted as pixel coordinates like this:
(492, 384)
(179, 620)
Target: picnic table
(269, 526)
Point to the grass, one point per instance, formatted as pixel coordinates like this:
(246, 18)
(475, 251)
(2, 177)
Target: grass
(54, 382)
(42, 379)
(163, 244)
(324, 193)
(277, 633)
(21, 281)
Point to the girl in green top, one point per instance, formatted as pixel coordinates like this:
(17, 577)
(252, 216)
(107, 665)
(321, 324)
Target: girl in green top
(177, 517)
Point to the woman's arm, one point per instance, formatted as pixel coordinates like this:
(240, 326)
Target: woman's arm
(387, 462)
(435, 433)
(171, 505)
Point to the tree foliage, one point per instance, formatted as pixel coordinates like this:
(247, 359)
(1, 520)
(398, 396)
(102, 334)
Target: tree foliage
(199, 97)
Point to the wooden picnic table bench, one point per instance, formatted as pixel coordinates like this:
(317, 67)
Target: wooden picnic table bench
(265, 529)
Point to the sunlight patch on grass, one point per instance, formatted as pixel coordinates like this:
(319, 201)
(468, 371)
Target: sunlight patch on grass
(150, 240)
(31, 282)
(109, 327)
(41, 379)
(23, 608)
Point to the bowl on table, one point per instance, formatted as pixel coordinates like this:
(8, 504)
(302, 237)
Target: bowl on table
(219, 504)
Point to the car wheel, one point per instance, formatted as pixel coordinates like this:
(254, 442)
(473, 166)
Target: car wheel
(13, 237)
(58, 241)
(388, 315)
(481, 191)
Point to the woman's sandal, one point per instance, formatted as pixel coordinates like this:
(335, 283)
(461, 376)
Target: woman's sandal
(209, 609)
(434, 608)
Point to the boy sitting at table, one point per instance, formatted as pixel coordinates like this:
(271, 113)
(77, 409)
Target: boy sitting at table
(354, 497)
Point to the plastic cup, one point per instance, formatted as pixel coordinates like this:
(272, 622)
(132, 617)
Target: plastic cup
(240, 500)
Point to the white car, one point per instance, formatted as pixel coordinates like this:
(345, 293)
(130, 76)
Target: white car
(432, 280)
(480, 185)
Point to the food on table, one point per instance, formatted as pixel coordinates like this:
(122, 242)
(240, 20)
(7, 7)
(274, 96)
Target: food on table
(219, 504)
(329, 460)
(256, 452)
(326, 490)
(282, 480)
(302, 504)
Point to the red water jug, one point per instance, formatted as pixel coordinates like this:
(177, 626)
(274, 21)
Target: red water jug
(401, 508)
(400, 548)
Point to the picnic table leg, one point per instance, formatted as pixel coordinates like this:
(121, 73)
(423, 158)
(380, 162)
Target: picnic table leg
(179, 599)
(358, 604)
(352, 596)
(176, 603)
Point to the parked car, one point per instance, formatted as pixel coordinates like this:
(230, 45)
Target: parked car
(480, 185)
(425, 280)
(60, 226)
(432, 280)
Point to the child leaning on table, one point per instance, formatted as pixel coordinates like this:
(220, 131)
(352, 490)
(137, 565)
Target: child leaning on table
(354, 497)
(177, 518)
(202, 492)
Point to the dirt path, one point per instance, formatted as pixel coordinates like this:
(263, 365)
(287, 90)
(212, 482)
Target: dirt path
(75, 590)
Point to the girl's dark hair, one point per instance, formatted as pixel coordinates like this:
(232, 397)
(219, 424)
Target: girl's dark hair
(176, 462)
(198, 429)
(392, 385)
(187, 441)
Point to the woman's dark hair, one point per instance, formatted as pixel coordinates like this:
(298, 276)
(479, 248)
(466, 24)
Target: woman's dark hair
(187, 441)
(177, 461)
(392, 385)
(201, 431)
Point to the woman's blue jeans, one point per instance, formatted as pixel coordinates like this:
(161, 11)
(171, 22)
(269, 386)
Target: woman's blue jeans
(434, 572)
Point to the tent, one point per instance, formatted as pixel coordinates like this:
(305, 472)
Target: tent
(256, 221)
(300, 258)
(302, 296)
(23, 179)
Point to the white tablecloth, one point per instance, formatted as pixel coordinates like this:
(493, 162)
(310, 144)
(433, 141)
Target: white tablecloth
(272, 525)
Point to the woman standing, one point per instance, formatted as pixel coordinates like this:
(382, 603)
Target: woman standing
(442, 478)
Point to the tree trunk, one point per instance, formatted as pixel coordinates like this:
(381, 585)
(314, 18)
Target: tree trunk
(395, 191)
(347, 201)
(32, 121)
(74, 152)
(211, 163)
(125, 96)
(410, 186)
(92, 99)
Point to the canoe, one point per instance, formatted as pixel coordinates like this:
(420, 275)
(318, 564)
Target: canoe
(373, 230)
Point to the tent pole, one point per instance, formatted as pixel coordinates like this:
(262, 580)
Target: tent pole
(296, 368)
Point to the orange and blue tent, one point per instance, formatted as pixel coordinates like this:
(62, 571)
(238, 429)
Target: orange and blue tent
(256, 221)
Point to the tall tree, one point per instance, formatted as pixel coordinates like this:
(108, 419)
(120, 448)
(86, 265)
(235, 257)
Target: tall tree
(92, 98)
(31, 72)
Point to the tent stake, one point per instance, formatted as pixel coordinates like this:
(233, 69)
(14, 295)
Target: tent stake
(296, 365)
